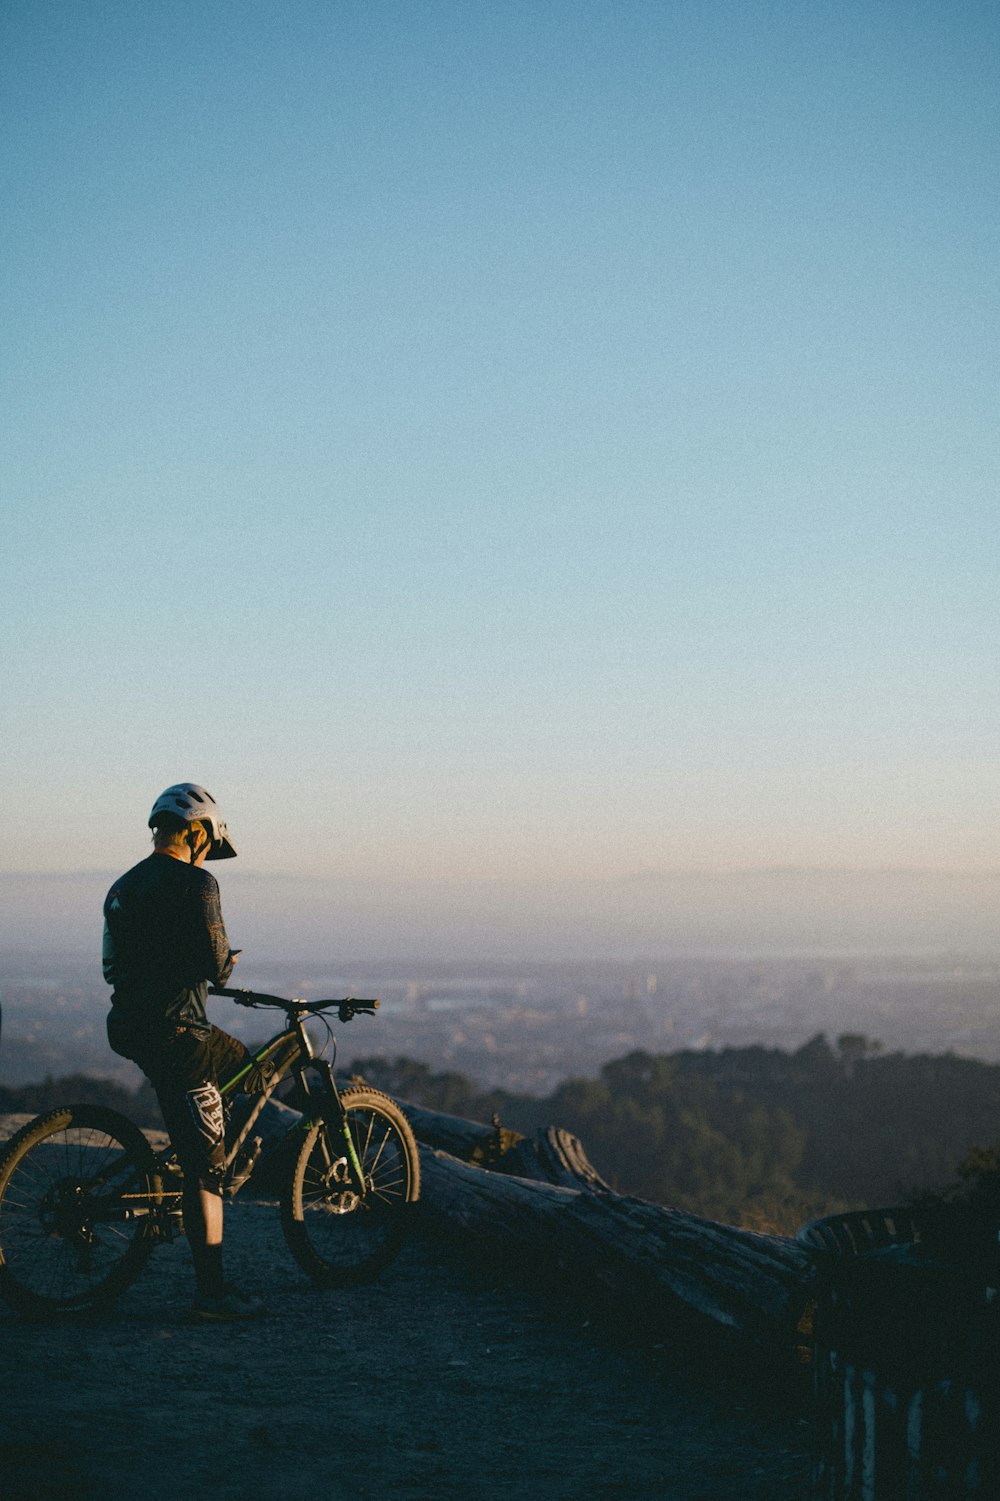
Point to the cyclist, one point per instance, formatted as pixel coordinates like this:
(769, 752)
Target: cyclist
(164, 944)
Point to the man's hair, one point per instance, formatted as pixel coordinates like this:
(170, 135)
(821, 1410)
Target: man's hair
(170, 828)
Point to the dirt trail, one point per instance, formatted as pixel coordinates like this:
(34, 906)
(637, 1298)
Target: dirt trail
(433, 1384)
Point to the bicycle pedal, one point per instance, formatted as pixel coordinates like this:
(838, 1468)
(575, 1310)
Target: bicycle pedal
(168, 1227)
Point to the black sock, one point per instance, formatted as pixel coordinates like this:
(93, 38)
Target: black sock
(211, 1282)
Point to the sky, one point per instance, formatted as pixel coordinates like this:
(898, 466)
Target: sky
(537, 442)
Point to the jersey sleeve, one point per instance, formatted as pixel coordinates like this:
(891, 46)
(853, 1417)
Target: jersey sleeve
(109, 948)
(217, 958)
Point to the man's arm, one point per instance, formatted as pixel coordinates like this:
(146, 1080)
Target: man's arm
(218, 957)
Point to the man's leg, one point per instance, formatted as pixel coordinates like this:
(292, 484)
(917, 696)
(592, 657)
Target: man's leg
(194, 1117)
(202, 1190)
(215, 1300)
(224, 1054)
(203, 1226)
(211, 1208)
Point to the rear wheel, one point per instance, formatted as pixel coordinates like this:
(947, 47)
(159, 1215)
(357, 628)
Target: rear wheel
(78, 1190)
(336, 1234)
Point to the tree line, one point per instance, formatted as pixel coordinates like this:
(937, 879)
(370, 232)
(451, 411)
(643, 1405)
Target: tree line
(754, 1136)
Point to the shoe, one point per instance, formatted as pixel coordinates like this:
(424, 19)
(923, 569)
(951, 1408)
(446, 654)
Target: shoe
(232, 1305)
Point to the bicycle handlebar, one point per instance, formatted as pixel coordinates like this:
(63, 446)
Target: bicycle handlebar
(347, 1007)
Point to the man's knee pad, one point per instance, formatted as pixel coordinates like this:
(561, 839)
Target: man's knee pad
(205, 1105)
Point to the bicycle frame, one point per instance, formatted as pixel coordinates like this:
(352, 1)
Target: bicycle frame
(290, 1051)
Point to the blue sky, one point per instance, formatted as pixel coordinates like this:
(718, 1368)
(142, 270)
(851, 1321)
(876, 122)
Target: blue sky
(527, 441)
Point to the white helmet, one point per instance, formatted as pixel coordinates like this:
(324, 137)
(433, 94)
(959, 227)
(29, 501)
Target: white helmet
(193, 804)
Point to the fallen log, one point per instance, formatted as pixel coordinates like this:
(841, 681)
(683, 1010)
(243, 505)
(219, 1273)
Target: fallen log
(534, 1205)
(664, 1269)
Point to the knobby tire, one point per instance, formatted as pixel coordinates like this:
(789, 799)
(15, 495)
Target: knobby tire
(335, 1235)
(69, 1242)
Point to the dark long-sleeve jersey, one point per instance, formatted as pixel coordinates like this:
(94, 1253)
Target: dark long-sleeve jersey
(164, 943)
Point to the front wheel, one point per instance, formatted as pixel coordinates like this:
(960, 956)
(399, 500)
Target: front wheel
(335, 1233)
(78, 1194)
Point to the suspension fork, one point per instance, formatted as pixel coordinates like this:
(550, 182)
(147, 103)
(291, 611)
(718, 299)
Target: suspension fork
(335, 1118)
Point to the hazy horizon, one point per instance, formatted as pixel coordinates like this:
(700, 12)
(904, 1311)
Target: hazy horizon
(763, 913)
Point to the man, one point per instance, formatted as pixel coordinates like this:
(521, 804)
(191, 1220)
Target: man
(164, 944)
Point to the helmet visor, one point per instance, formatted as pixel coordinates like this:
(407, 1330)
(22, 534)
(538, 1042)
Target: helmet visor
(222, 847)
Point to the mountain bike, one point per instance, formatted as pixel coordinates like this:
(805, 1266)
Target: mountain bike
(85, 1199)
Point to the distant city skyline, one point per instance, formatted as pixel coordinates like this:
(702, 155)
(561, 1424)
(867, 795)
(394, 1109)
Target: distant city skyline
(531, 444)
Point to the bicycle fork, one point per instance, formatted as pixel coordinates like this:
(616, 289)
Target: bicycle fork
(335, 1118)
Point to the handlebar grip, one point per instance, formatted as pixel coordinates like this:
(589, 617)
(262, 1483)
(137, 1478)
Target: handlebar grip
(241, 997)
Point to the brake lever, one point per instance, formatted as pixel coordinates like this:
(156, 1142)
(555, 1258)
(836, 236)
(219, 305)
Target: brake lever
(351, 1008)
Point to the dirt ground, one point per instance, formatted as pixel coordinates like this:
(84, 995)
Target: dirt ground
(440, 1382)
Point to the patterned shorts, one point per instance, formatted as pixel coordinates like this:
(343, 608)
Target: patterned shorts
(184, 1067)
